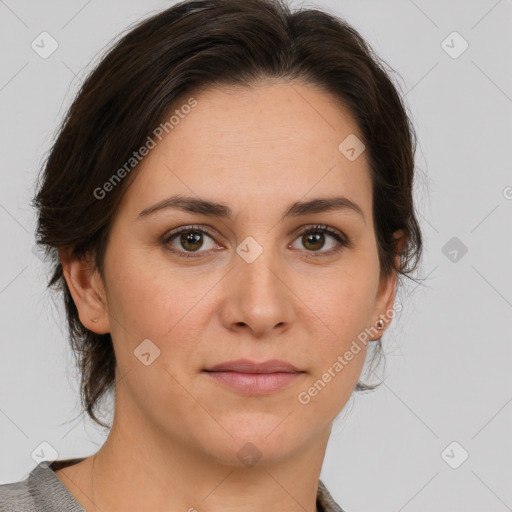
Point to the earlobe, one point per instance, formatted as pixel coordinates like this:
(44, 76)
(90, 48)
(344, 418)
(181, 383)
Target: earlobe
(86, 288)
(387, 291)
(384, 304)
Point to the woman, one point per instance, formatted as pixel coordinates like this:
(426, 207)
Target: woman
(229, 207)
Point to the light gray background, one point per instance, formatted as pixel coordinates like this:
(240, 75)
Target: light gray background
(448, 376)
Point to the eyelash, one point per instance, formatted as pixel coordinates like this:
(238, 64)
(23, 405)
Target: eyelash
(319, 228)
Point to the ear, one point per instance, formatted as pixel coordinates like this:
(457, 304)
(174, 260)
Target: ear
(387, 290)
(88, 292)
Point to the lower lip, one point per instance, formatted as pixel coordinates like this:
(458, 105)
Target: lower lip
(255, 383)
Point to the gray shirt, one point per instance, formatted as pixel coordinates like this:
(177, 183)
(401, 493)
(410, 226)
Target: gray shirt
(43, 491)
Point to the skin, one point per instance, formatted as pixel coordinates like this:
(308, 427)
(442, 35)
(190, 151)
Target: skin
(176, 431)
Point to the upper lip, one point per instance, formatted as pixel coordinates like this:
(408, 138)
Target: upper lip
(247, 366)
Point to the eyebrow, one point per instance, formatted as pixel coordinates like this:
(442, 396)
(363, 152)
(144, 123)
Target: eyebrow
(213, 209)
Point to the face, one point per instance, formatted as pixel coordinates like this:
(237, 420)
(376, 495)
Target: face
(252, 279)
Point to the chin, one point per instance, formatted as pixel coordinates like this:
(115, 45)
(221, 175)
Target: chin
(255, 440)
(244, 452)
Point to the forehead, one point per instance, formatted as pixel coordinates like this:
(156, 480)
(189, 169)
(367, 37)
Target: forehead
(266, 143)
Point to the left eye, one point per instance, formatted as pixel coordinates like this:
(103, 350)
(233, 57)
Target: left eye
(313, 239)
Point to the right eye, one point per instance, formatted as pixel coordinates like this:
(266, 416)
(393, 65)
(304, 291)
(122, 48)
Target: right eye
(189, 239)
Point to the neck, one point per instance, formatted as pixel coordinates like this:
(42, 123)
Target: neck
(142, 468)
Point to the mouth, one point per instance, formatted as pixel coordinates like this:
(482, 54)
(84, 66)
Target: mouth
(252, 378)
(248, 366)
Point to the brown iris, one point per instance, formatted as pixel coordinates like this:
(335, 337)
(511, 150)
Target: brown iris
(194, 238)
(313, 239)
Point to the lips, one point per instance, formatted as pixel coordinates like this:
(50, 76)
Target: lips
(247, 366)
(253, 378)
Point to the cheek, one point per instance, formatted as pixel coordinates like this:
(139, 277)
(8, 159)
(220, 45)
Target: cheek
(163, 303)
(152, 302)
(340, 355)
(147, 289)
(345, 307)
(343, 301)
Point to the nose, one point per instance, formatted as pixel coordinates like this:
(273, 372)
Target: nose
(257, 297)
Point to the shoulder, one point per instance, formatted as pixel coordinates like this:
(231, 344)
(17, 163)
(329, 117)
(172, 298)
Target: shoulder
(41, 491)
(16, 496)
(325, 502)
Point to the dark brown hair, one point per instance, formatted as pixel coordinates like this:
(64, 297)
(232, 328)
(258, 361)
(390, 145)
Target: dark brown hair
(194, 45)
